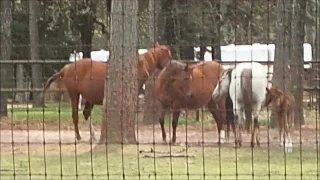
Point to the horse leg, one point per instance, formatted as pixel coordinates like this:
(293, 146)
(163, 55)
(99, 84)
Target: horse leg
(175, 118)
(289, 134)
(238, 120)
(161, 122)
(87, 116)
(256, 126)
(281, 134)
(74, 103)
(213, 108)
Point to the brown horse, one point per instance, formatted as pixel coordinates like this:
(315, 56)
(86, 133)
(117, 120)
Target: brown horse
(181, 86)
(283, 103)
(87, 77)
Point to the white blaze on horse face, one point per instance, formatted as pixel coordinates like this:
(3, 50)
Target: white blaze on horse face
(222, 87)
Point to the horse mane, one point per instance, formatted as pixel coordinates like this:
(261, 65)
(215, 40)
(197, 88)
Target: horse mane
(149, 60)
(170, 70)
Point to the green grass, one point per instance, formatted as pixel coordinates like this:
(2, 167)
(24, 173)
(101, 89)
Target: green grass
(54, 112)
(129, 163)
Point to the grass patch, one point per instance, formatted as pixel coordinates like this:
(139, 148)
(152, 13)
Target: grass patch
(117, 163)
(53, 112)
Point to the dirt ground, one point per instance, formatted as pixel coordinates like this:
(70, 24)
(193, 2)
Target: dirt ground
(193, 134)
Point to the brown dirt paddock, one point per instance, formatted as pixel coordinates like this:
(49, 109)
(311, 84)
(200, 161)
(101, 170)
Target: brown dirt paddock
(192, 134)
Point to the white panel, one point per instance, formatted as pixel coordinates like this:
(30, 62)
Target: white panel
(101, 55)
(228, 53)
(259, 52)
(243, 53)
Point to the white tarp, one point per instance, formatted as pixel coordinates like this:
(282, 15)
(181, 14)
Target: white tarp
(101, 55)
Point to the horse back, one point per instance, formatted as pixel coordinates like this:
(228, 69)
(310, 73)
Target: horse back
(205, 78)
(87, 78)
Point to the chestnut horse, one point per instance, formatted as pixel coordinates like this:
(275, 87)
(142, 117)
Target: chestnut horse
(87, 77)
(181, 86)
(283, 103)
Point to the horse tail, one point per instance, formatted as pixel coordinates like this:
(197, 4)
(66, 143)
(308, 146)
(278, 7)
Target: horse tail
(246, 85)
(230, 114)
(52, 79)
(229, 106)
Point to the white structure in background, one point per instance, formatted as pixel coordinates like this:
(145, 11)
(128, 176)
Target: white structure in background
(101, 55)
(254, 52)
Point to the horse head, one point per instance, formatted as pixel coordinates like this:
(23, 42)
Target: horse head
(162, 54)
(178, 78)
(222, 88)
(273, 95)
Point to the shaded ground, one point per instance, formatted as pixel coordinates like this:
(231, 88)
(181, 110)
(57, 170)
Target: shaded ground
(194, 134)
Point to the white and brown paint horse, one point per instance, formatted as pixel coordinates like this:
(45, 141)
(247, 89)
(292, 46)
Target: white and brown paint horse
(246, 84)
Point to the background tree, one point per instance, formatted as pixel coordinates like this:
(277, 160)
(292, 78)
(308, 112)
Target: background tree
(119, 104)
(297, 59)
(288, 64)
(149, 115)
(5, 43)
(35, 51)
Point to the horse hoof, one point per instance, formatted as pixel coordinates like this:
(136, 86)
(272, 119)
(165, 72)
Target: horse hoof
(172, 143)
(288, 149)
(252, 144)
(258, 144)
(79, 138)
(222, 141)
(92, 139)
(236, 146)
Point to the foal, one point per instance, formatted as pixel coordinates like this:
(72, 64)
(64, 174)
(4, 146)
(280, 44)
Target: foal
(283, 103)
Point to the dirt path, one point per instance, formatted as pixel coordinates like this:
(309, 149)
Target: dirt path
(146, 134)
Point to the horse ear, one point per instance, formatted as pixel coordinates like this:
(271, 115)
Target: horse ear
(186, 68)
(267, 89)
(156, 44)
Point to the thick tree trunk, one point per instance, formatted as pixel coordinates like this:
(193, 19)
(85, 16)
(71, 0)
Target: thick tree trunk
(297, 59)
(281, 73)
(36, 71)
(120, 100)
(5, 40)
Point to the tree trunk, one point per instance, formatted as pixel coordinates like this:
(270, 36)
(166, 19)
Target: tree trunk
(120, 99)
(280, 77)
(5, 40)
(150, 106)
(36, 71)
(297, 59)
(20, 96)
(149, 116)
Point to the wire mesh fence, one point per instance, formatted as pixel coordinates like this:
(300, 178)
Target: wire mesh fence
(159, 96)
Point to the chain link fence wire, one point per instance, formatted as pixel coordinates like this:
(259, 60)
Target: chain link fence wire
(37, 130)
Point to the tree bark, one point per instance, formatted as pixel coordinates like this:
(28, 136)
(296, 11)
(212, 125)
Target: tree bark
(36, 71)
(120, 99)
(149, 115)
(281, 73)
(20, 96)
(5, 40)
(297, 59)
